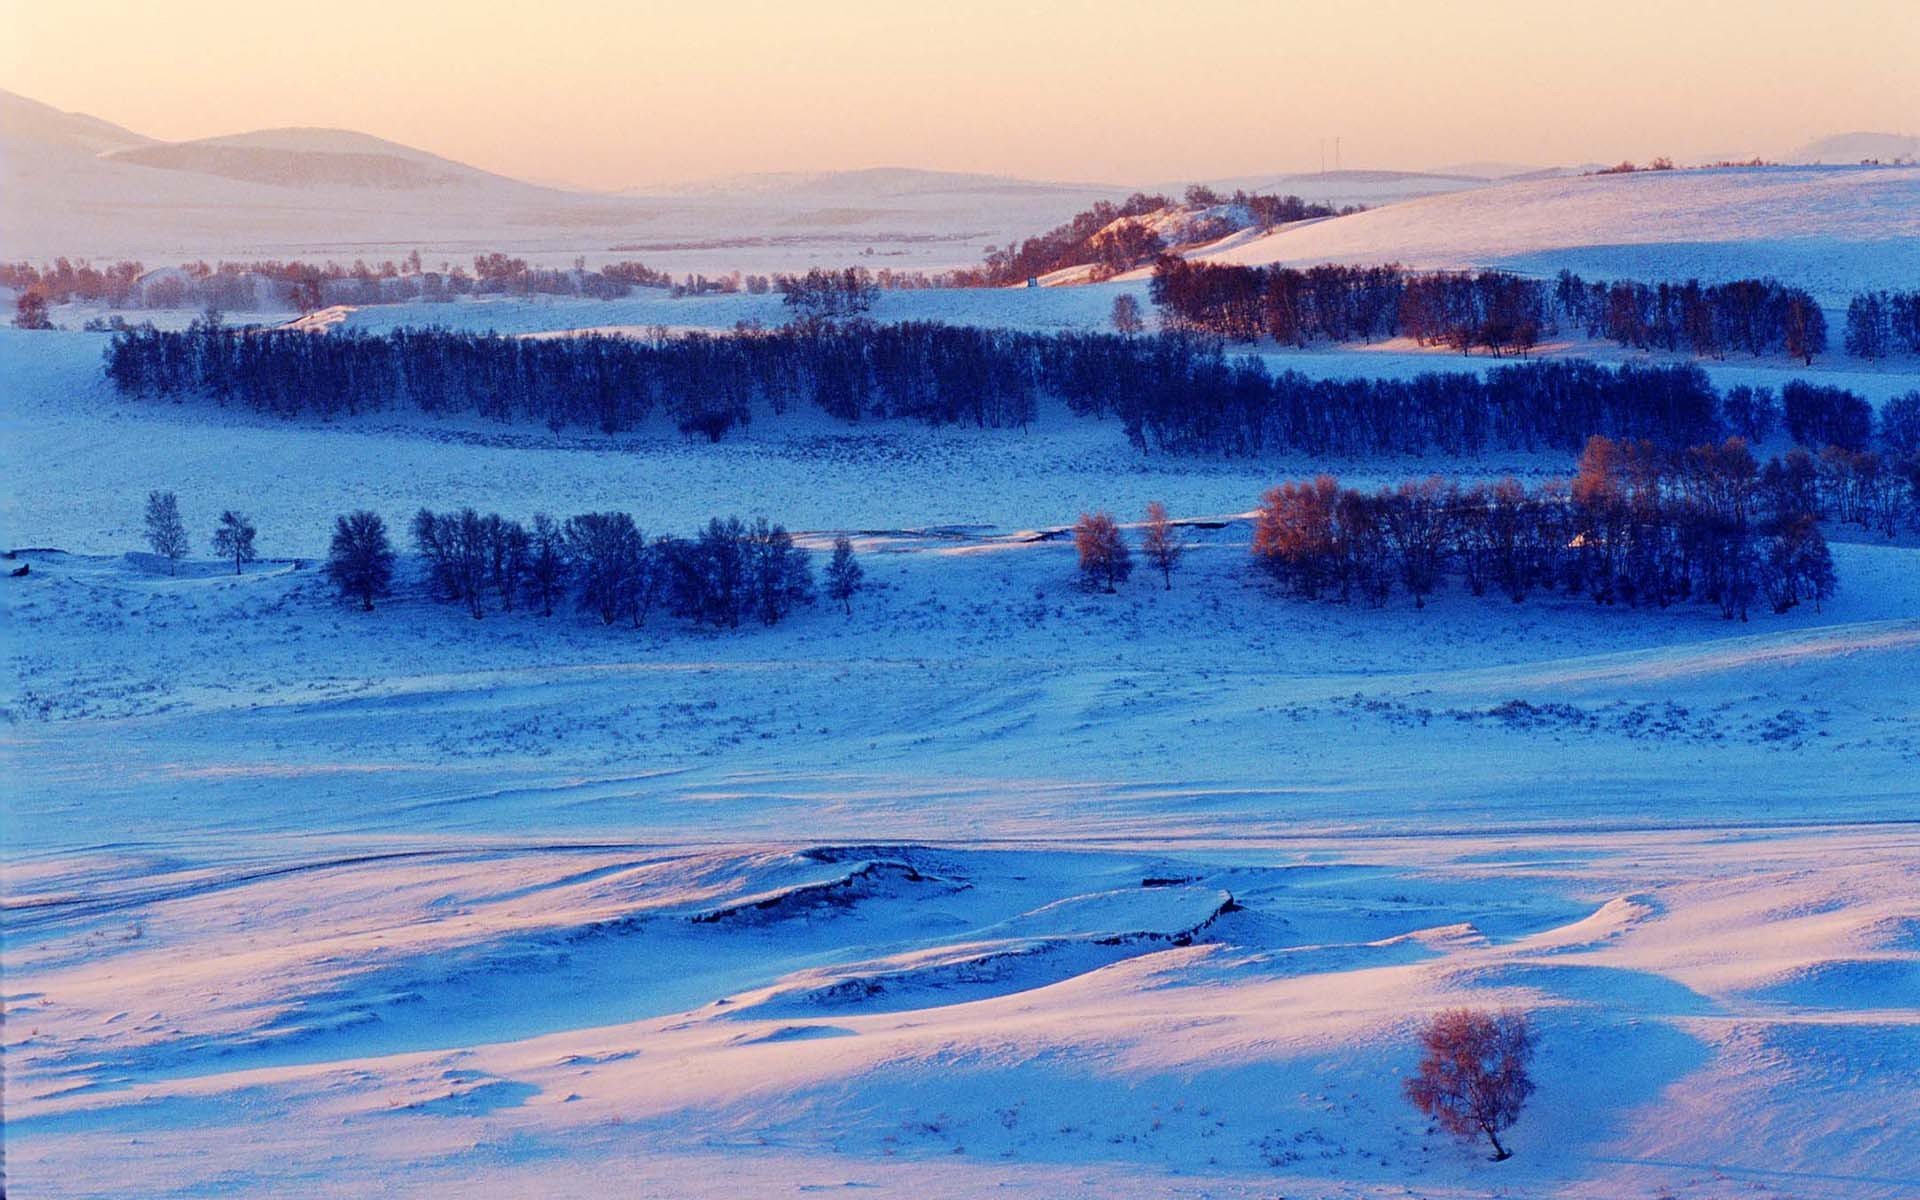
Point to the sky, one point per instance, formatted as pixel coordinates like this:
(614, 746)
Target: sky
(604, 94)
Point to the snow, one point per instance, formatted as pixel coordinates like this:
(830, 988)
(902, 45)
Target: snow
(1833, 230)
(992, 886)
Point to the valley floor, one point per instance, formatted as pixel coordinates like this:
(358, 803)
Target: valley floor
(993, 885)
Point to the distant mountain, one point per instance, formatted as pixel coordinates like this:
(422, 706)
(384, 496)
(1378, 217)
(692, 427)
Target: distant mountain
(74, 185)
(1858, 147)
(28, 124)
(1487, 169)
(1343, 188)
(873, 184)
(313, 158)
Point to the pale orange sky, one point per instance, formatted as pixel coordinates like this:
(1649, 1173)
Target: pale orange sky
(612, 94)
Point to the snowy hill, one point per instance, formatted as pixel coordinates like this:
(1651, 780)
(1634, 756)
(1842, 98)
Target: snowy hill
(874, 183)
(314, 157)
(1832, 229)
(85, 188)
(26, 124)
(1858, 147)
(1346, 188)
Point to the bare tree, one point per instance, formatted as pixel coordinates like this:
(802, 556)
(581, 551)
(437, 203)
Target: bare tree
(1104, 557)
(1160, 543)
(843, 574)
(781, 573)
(1126, 314)
(30, 312)
(546, 562)
(233, 538)
(166, 532)
(1473, 1079)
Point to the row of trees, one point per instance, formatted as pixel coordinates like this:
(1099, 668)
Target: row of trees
(821, 297)
(1750, 316)
(1505, 313)
(1185, 403)
(706, 383)
(272, 284)
(1637, 526)
(1177, 393)
(1883, 323)
(604, 562)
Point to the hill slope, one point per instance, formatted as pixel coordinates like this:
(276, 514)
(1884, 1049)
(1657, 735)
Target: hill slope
(313, 157)
(85, 188)
(1831, 229)
(1857, 147)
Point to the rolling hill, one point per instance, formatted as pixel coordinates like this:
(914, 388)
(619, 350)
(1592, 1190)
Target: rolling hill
(1833, 230)
(313, 158)
(85, 188)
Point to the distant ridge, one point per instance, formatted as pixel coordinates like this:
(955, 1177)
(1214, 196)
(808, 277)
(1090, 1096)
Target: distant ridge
(27, 121)
(873, 182)
(1857, 147)
(309, 157)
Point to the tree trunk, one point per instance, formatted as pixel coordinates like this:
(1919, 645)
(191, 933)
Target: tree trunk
(1500, 1153)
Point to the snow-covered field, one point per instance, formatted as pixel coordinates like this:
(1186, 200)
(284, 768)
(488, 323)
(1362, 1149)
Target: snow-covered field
(992, 886)
(1832, 230)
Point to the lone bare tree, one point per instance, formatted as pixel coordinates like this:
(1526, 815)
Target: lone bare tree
(233, 538)
(1126, 314)
(843, 574)
(1104, 557)
(1160, 543)
(166, 532)
(1473, 1079)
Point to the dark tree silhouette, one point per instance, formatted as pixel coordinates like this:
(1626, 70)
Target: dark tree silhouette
(166, 532)
(546, 562)
(844, 574)
(233, 538)
(360, 558)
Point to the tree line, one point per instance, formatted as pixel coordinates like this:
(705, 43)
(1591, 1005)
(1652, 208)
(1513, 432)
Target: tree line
(731, 570)
(1177, 393)
(706, 383)
(1882, 323)
(1508, 314)
(602, 562)
(1638, 524)
(274, 284)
